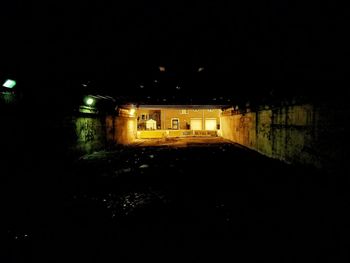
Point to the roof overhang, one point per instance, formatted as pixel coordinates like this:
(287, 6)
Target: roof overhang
(157, 107)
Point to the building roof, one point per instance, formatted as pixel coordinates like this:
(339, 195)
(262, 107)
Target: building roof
(202, 106)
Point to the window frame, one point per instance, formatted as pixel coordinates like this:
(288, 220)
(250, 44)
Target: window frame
(178, 123)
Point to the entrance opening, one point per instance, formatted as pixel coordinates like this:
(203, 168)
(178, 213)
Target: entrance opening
(175, 124)
(176, 121)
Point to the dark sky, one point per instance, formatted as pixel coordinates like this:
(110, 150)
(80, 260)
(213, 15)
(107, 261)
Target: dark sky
(119, 45)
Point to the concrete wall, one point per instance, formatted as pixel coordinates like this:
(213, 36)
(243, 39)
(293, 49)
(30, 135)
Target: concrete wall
(173, 134)
(296, 134)
(75, 135)
(121, 129)
(86, 133)
(90, 133)
(61, 134)
(152, 134)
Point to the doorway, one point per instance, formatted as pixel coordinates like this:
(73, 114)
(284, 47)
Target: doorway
(175, 124)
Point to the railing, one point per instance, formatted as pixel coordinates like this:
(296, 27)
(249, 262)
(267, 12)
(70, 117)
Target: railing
(154, 134)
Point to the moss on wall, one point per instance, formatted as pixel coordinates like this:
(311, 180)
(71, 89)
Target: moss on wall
(296, 134)
(90, 134)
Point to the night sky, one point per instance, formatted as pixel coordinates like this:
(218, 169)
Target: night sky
(244, 47)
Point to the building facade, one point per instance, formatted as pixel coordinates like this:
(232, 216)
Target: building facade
(177, 118)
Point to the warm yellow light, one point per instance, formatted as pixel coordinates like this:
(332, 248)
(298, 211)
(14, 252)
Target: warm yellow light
(132, 112)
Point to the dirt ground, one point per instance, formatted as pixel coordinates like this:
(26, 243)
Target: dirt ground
(182, 142)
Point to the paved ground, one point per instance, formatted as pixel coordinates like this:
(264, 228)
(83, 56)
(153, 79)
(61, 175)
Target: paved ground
(210, 201)
(182, 142)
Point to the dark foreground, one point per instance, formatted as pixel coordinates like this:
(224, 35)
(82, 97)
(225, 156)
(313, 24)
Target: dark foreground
(216, 202)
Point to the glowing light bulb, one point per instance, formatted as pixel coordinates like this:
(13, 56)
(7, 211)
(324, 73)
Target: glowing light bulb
(89, 101)
(9, 84)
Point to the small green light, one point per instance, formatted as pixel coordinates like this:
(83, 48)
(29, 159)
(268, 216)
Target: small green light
(9, 84)
(89, 101)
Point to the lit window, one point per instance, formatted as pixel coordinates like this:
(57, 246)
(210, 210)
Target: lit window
(184, 111)
(195, 110)
(210, 110)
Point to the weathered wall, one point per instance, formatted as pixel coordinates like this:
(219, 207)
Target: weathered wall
(67, 136)
(240, 129)
(86, 133)
(296, 134)
(156, 134)
(90, 133)
(61, 133)
(74, 135)
(120, 129)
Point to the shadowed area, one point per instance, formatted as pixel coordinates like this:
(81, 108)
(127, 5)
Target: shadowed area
(104, 112)
(161, 201)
